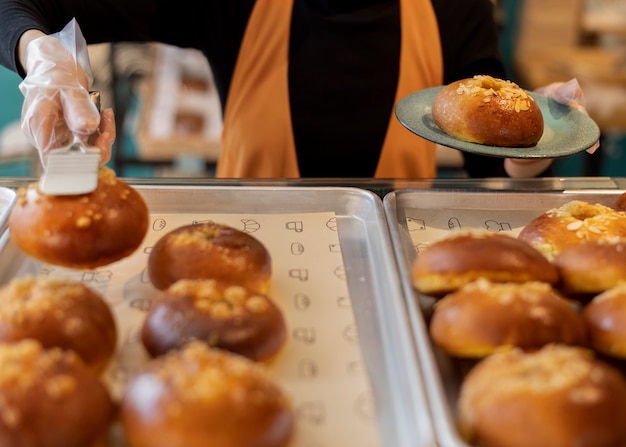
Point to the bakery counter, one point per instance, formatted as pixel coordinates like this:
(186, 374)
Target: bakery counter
(358, 363)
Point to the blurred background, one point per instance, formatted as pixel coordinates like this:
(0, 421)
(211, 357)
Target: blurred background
(169, 117)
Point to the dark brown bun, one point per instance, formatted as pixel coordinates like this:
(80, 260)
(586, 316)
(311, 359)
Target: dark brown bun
(59, 313)
(571, 223)
(210, 251)
(223, 315)
(483, 317)
(80, 231)
(463, 256)
(605, 316)
(488, 111)
(50, 398)
(202, 396)
(559, 396)
(592, 266)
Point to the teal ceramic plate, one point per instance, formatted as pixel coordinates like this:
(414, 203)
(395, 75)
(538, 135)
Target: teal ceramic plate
(567, 131)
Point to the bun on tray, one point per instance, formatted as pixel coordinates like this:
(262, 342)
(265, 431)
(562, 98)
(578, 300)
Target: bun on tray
(50, 398)
(202, 396)
(605, 316)
(223, 315)
(620, 203)
(80, 231)
(572, 223)
(592, 266)
(463, 256)
(210, 251)
(59, 313)
(490, 111)
(483, 317)
(558, 396)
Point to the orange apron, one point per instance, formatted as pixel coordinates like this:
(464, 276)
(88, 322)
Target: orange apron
(257, 138)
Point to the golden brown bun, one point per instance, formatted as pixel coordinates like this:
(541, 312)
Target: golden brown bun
(591, 267)
(571, 223)
(482, 317)
(59, 313)
(489, 111)
(620, 204)
(50, 398)
(210, 251)
(466, 255)
(225, 316)
(81, 231)
(202, 396)
(559, 396)
(605, 316)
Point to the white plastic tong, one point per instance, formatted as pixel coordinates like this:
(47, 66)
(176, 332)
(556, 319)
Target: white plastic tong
(72, 169)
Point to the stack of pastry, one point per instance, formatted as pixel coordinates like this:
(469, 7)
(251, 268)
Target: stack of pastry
(209, 333)
(534, 315)
(56, 337)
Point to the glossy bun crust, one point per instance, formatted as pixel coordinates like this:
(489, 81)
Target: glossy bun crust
(592, 266)
(482, 317)
(81, 231)
(605, 315)
(466, 255)
(559, 396)
(202, 396)
(224, 316)
(571, 223)
(50, 398)
(488, 111)
(59, 313)
(210, 251)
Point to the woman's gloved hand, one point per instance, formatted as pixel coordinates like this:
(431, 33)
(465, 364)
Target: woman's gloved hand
(568, 93)
(57, 106)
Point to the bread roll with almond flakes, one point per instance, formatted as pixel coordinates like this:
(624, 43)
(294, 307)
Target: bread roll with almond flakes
(200, 396)
(490, 111)
(463, 256)
(558, 396)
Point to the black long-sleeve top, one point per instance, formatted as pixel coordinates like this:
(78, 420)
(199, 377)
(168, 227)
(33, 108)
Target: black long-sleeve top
(335, 46)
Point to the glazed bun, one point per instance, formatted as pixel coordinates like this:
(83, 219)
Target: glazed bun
(220, 314)
(559, 396)
(483, 317)
(50, 398)
(490, 111)
(572, 223)
(201, 396)
(592, 266)
(605, 316)
(59, 313)
(80, 231)
(210, 251)
(463, 256)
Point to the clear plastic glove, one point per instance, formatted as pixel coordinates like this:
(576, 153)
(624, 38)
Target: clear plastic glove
(568, 93)
(56, 104)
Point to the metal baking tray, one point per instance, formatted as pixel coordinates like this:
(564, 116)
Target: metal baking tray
(415, 218)
(399, 411)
